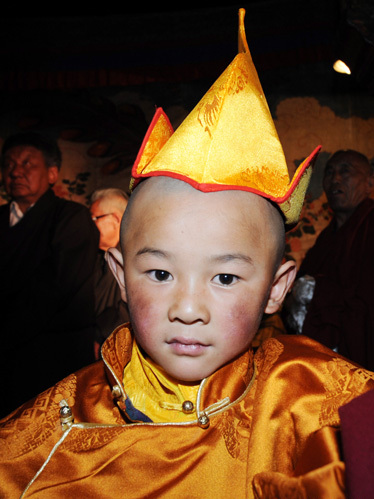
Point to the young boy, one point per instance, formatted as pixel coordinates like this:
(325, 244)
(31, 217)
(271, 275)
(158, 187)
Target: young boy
(181, 406)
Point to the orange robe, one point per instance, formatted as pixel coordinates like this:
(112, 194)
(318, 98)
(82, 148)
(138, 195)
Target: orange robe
(272, 419)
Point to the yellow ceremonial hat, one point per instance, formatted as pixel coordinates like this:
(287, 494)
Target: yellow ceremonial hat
(228, 141)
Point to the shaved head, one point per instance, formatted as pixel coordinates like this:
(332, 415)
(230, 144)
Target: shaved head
(154, 189)
(347, 182)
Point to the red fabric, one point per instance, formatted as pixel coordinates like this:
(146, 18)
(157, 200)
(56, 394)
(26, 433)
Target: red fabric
(341, 313)
(358, 444)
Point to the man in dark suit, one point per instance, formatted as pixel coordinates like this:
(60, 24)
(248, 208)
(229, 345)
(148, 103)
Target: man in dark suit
(48, 248)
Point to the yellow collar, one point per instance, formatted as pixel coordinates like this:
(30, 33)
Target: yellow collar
(156, 394)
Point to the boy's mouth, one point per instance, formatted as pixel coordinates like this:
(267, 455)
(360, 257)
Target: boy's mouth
(187, 346)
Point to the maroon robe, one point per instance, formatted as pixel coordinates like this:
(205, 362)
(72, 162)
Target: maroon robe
(357, 431)
(341, 313)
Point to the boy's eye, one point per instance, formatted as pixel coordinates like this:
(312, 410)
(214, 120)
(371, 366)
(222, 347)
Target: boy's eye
(159, 275)
(225, 279)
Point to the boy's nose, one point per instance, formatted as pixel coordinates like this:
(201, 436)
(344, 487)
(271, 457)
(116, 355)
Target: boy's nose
(189, 306)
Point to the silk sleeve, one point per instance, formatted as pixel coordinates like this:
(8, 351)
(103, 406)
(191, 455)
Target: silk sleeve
(319, 473)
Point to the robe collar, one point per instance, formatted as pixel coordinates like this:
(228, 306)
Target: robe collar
(217, 393)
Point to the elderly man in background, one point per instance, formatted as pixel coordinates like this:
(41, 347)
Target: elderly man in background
(48, 248)
(338, 271)
(107, 208)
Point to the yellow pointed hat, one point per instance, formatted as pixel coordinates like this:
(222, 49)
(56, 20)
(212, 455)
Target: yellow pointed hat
(228, 141)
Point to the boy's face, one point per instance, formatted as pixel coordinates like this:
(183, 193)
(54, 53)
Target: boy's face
(198, 272)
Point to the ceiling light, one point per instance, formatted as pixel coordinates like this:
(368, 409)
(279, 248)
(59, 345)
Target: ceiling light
(341, 67)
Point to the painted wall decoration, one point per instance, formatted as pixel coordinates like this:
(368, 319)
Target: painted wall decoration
(302, 124)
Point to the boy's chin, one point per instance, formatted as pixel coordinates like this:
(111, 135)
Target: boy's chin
(190, 377)
(188, 380)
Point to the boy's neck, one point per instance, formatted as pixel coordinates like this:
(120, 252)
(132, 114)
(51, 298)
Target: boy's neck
(156, 394)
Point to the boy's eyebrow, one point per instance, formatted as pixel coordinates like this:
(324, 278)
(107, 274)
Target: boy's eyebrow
(152, 251)
(226, 257)
(229, 257)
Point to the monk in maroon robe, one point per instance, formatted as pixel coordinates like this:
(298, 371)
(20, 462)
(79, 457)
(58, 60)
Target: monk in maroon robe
(341, 313)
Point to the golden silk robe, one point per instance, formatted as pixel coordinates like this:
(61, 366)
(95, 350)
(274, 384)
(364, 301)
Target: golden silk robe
(272, 418)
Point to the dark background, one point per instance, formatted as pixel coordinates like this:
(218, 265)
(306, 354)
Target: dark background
(92, 77)
(59, 67)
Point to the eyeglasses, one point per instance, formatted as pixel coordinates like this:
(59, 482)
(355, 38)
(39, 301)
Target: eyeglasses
(101, 216)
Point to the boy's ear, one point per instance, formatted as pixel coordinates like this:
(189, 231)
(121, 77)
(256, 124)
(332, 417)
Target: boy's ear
(115, 262)
(283, 280)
